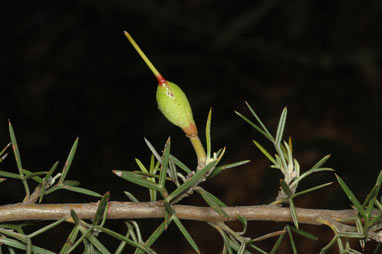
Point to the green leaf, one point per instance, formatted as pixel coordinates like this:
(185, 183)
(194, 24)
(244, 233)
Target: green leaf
(153, 150)
(294, 249)
(70, 240)
(311, 189)
(281, 127)
(94, 241)
(304, 233)
(265, 152)
(185, 233)
(153, 237)
(351, 196)
(243, 221)
(75, 217)
(372, 196)
(134, 178)
(255, 126)
(164, 167)
(46, 228)
(22, 246)
(219, 169)
(152, 179)
(137, 230)
(172, 172)
(100, 216)
(208, 133)
(71, 183)
(16, 152)
(121, 246)
(153, 169)
(257, 249)
(242, 248)
(3, 151)
(81, 190)
(46, 180)
(286, 189)
(268, 134)
(68, 161)
(131, 196)
(191, 181)
(11, 233)
(293, 212)
(120, 237)
(141, 166)
(9, 175)
(34, 175)
(310, 171)
(321, 162)
(227, 244)
(277, 244)
(15, 148)
(180, 164)
(213, 201)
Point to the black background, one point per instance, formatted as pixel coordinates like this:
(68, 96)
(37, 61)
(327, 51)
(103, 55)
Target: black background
(68, 71)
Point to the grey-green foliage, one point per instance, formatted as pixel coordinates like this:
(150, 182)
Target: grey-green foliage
(167, 178)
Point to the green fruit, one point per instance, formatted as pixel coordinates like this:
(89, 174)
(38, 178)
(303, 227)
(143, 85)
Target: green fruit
(174, 105)
(172, 102)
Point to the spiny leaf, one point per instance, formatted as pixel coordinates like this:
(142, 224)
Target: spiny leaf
(294, 249)
(311, 189)
(81, 190)
(265, 152)
(153, 150)
(153, 237)
(134, 178)
(164, 167)
(351, 196)
(94, 241)
(46, 180)
(208, 133)
(18, 160)
(281, 126)
(22, 246)
(180, 164)
(99, 217)
(185, 233)
(191, 181)
(68, 161)
(219, 169)
(268, 134)
(304, 233)
(213, 202)
(255, 126)
(277, 244)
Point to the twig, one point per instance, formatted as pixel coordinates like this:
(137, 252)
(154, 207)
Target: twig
(131, 210)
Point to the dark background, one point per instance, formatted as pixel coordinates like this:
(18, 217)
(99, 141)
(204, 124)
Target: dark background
(68, 71)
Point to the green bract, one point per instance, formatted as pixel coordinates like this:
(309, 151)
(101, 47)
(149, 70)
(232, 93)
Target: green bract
(174, 105)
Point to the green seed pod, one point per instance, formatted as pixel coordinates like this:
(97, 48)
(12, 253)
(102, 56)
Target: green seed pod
(172, 101)
(174, 105)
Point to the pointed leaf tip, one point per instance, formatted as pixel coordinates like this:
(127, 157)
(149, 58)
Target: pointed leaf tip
(118, 173)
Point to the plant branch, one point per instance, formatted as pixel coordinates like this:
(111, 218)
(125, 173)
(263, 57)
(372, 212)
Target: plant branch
(132, 210)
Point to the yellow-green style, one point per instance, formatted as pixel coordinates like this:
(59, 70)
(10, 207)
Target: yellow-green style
(172, 101)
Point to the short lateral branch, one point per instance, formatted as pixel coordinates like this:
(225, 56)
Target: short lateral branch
(130, 210)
